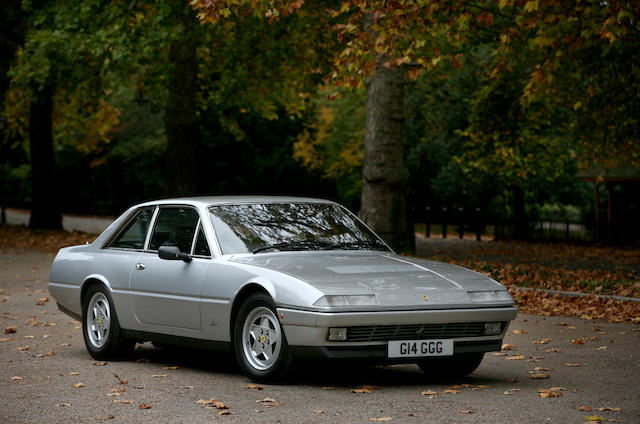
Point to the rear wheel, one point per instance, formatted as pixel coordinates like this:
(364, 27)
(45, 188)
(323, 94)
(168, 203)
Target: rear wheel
(451, 367)
(259, 342)
(100, 326)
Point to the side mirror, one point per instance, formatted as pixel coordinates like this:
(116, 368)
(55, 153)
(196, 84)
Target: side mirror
(173, 253)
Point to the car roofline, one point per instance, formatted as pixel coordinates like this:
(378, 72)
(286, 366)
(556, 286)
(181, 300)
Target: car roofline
(206, 201)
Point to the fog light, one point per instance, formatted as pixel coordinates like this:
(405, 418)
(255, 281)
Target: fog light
(492, 328)
(337, 334)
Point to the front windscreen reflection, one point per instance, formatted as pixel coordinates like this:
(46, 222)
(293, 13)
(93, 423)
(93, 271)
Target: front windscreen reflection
(289, 226)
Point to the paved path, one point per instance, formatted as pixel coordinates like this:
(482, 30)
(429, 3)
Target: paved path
(86, 224)
(45, 360)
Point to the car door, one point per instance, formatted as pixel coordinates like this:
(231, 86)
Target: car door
(167, 292)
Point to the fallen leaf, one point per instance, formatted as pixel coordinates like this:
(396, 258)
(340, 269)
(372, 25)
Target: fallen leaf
(451, 391)
(270, 402)
(214, 403)
(507, 346)
(122, 401)
(428, 393)
(577, 341)
(225, 412)
(466, 411)
(179, 387)
(173, 367)
(99, 364)
(554, 349)
(41, 301)
(16, 378)
(74, 373)
(79, 385)
(609, 408)
(595, 418)
(539, 376)
(515, 358)
(362, 390)
(10, 330)
(318, 411)
(480, 387)
(552, 392)
(328, 388)
(584, 408)
(5, 339)
(543, 341)
(572, 365)
(159, 375)
(381, 419)
(514, 380)
(253, 386)
(64, 404)
(519, 331)
(144, 406)
(110, 417)
(110, 394)
(571, 327)
(120, 379)
(23, 348)
(602, 348)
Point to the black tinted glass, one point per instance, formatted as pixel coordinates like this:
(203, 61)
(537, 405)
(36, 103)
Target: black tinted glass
(174, 227)
(289, 226)
(202, 248)
(135, 233)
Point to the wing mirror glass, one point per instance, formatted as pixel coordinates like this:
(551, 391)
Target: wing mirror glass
(173, 253)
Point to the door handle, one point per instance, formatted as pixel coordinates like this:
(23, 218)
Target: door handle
(140, 267)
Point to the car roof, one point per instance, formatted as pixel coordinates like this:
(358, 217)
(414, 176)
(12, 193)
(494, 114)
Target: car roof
(204, 201)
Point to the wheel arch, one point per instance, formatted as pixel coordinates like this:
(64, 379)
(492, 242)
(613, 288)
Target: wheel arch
(89, 281)
(242, 295)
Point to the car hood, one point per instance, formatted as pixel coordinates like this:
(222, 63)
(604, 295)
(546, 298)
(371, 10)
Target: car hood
(396, 280)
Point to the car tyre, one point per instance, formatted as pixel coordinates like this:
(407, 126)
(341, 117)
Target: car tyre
(259, 342)
(453, 367)
(101, 328)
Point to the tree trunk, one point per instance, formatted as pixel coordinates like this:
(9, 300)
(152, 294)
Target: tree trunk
(521, 225)
(383, 205)
(181, 120)
(45, 212)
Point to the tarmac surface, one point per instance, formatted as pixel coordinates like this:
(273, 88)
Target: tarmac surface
(47, 375)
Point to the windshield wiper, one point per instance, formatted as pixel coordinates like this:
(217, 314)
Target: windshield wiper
(294, 245)
(360, 244)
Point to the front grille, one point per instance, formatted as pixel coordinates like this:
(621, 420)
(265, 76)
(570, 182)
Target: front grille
(375, 333)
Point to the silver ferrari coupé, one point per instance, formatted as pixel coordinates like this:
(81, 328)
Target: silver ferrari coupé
(274, 278)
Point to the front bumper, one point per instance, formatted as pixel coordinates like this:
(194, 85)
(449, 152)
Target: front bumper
(306, 331)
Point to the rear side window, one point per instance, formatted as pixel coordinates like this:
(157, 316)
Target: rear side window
(174, 227)
(135, 233)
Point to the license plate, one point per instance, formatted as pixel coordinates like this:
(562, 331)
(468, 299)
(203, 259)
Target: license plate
(420, 348)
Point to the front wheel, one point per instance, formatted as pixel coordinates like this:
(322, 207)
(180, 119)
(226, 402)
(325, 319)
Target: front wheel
(100, 326)
(259, 342)
(453, 367)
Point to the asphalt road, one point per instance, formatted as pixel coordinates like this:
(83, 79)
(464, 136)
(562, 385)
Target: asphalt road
(47, 375)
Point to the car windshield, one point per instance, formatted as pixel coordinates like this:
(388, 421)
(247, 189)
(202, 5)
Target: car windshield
(256, 228)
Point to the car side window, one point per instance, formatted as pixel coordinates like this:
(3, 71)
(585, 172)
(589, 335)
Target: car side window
(174, 227)
(201, 248)
(135, 233)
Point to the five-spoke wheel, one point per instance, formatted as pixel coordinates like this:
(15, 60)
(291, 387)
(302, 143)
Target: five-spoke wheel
(100, 325)
(98, 319)
(260, 345)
